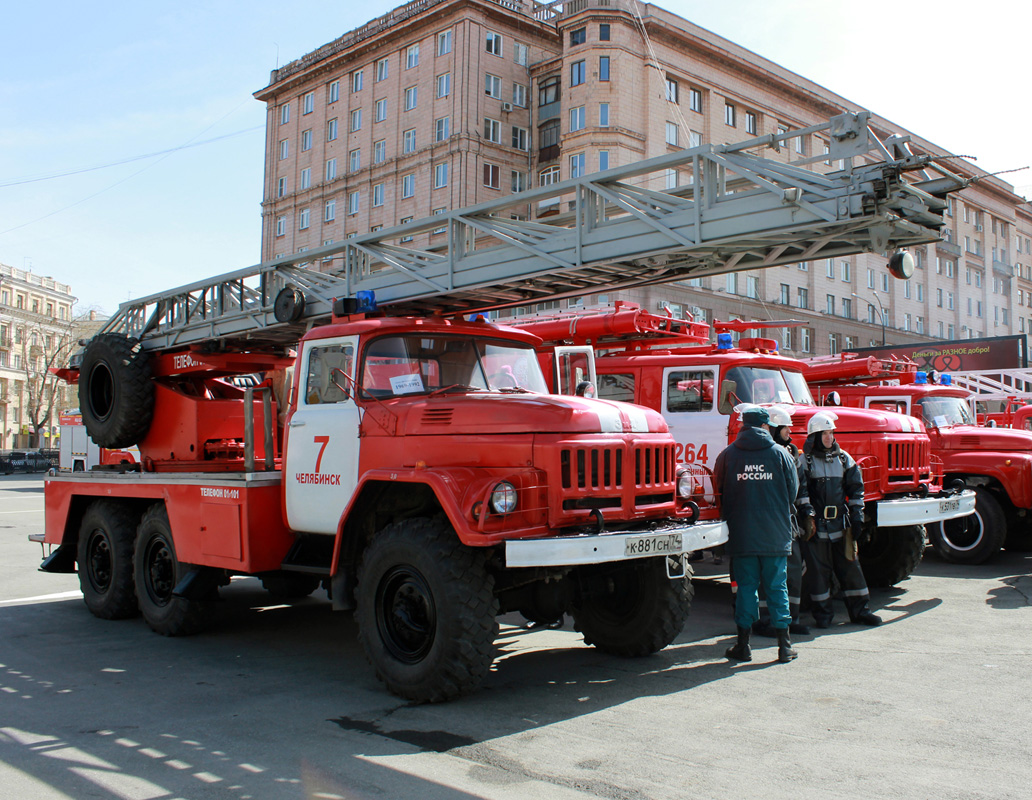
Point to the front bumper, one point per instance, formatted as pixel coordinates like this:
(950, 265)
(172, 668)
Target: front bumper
(558, 551)
(924, 510)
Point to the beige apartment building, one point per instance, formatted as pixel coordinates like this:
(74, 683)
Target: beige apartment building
(35, 331)
(442, 104)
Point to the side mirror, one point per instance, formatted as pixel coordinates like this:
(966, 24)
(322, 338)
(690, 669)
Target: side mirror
(727, 390)
(585, 389)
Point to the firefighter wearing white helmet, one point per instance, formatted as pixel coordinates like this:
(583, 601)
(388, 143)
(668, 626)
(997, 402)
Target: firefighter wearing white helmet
(831, 512)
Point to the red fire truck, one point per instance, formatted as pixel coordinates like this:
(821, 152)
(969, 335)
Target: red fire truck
(671, 366)
(995, 462)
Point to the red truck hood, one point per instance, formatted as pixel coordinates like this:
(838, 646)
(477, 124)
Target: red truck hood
(973, 437)
(523, 413)
(859, 420)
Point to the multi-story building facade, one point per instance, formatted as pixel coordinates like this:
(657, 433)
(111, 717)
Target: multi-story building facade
(446, 103)
(35, 334)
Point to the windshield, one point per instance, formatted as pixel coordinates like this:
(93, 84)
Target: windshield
(420, 364)
(767, 385)
(938, 412)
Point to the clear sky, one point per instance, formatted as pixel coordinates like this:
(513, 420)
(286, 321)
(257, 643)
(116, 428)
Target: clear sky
(88, 85)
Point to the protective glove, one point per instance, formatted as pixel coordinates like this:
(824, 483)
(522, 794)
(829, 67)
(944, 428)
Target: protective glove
(807, 522)
(856, 522)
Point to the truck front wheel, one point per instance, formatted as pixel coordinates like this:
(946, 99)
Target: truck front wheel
(157, 573)
(426, 610)
(892, 554)
(974, 538)
(104, 551)
(631, 608)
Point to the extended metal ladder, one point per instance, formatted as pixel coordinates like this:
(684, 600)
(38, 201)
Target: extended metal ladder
(617, 229)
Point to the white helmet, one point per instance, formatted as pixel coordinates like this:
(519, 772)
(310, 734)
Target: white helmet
(779, 416)
(822, 421)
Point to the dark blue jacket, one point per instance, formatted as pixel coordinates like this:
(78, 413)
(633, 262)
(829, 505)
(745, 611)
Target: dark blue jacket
(757, 483)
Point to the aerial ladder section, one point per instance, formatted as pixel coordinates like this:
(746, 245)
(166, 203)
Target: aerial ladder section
(616, 230)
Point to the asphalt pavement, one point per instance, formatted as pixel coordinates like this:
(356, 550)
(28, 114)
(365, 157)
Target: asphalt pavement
(277, 701)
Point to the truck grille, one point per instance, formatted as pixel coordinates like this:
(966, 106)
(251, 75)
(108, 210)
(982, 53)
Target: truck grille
(907, 461)
(606, 476)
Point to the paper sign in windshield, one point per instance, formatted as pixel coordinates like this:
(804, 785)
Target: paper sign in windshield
(406, 384)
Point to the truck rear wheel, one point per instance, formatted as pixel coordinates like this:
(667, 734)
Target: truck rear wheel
(892, 554)
(116, 396)
(107, 536)
(974, 538)
(426, 610)
(631, 608)
(158, 570)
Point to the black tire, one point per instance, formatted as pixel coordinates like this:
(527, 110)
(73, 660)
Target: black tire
(631, 608)
(116, 395)
(107, 537)
(426, 610)
(290, 585)
(892, 554)
(974, 538)
(157, 571)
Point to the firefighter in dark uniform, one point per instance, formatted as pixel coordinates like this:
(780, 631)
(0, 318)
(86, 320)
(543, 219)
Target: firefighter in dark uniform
(831, 514)
(757, 482)
(781, 433)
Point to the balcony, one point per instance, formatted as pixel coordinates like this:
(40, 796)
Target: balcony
(948, 247)
(1003, 268)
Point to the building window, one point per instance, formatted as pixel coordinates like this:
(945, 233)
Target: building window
(521, 53)
(603, 115)
(752, 286)
(492, 176)
(750, 122)
(408, 185)
(444, 43)
(281, 187)
(578, 36)
(845, 271)
(548, 176)
(281, 226)
(802, 297)
(729, 114)
(695, 100)
(284, 114)
(804, 337)
(331, 169)
(354, 160)
(438, 212)
(831, 304)
(577, 118)
(380, 151)
(442, 129)
(378, 195)
(785, 294)
(519, 95)
(603, 68)
(356, 81)
(577, 165)
(284, 148)
(444, 84)
(671, 133)
(492, 130)
(493, 43)
(520, 181)
(906, 289)
(603, 32)
(331, 130)
(380, 110)
(306, 177)
(331, 211)
(800, 145)
(356, 120)
(408, 141)
(412, 57)
(520, 138)
(353, 202)
(577, 73)
(411, 97)
(548, 90)
(306, 140)
(847, 308)
(804, 266)
(493, 86)
(308, 103)
(407, 237)
(303, 219)
(549, 134)
(830, 267)
(440, 176)
(603, 160)
(381, 70)
(671, 90)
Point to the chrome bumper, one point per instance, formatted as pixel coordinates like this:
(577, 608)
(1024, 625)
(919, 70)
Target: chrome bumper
(924, 510)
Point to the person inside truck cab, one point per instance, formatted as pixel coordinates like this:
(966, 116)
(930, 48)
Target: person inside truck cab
(831, 515)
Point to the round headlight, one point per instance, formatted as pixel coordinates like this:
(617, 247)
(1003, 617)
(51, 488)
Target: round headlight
(503, 498)
(685, 485)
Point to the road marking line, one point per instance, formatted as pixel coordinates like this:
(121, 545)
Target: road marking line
(27, 511)
(23, 600)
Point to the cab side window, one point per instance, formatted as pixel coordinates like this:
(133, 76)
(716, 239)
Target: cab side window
(616, 387)
(689, 391)
(330, 370)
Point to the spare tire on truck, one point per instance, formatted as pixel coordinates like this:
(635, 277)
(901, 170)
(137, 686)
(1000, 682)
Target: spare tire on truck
(116, 396)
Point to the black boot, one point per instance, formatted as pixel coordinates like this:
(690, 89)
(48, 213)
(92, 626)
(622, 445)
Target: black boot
(865, 617)
(799, 628)
(785, 651)
(741, 651)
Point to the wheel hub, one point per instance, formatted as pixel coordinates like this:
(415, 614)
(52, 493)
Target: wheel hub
(406, 614)
(160, 572)
(964, 533)
(98, 567)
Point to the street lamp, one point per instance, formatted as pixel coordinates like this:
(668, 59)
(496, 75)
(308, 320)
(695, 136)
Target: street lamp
(881, 310)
